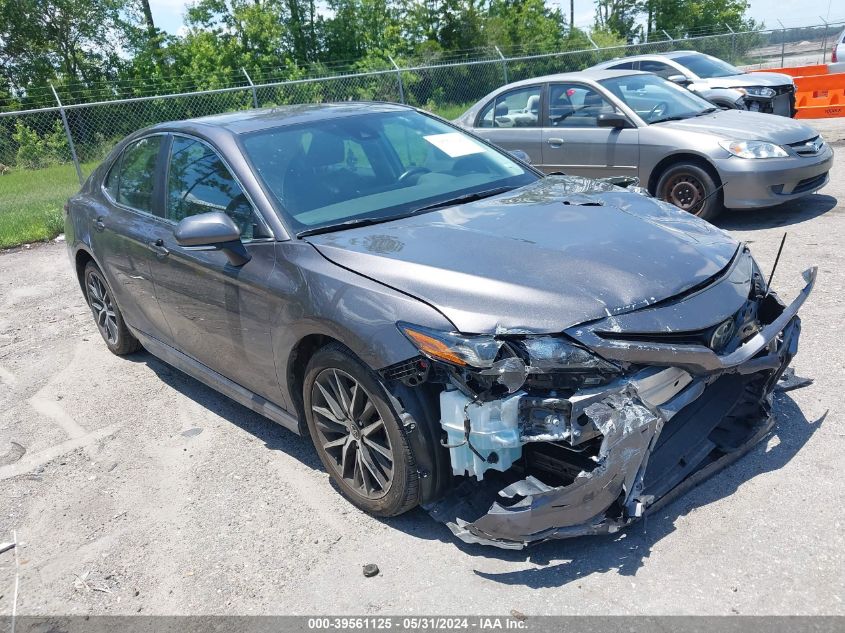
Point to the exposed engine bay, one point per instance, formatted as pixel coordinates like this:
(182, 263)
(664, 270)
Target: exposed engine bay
(585, 431)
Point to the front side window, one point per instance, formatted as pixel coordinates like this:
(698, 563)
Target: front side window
(655, 99)
(375, 167)
(576, 105)
(137, 174)
(199, 182)
(517, 108)
(707, 67)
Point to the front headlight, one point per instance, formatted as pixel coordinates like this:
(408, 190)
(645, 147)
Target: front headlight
(554, 353)
(759, 91)
(542, 353)
(753, 149)
(451, 347)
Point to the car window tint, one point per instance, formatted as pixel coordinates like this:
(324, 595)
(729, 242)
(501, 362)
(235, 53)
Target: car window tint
(137, 173)
(112, 178)
(199, 182)
(658, 68)
(382, 165)
(517, 108)
(576, 105)
(622, 66)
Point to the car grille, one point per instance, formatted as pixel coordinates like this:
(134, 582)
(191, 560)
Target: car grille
(810, 147)
(809, 183)
(803, 185)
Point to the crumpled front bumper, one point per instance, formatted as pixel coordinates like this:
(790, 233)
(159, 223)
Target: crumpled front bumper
(664, 430)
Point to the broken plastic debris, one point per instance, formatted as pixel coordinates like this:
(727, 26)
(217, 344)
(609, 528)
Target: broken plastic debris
(789, 381)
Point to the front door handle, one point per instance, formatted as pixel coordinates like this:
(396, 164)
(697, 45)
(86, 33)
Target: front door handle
(99, 224)
(158, 248)
(555, 142)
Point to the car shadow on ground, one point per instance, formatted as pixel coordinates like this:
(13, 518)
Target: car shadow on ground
(784, 214)
(553, 563)
(274, 436)
(557, 563)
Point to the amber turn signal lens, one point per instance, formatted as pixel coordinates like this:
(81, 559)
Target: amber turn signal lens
(431, 346)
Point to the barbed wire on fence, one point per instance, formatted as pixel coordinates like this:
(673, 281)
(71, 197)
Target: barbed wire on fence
(78, 134)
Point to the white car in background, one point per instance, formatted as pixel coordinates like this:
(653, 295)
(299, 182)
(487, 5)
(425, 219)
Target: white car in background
(837, 54)
(708, 76)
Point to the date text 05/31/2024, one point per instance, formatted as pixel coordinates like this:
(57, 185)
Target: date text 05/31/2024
(429, 623)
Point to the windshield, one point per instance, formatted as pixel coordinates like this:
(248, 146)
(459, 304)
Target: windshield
(375, 167)
(708, 67)
(655, 99)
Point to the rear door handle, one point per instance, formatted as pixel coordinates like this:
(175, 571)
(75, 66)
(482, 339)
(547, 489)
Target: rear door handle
(158, 248)
(555, 142)
(99, 224)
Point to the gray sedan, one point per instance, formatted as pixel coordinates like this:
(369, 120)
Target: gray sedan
(682, 148)
(444, 322)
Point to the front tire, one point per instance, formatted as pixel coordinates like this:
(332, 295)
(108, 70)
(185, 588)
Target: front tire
(357, 433)
(691, 188)
(107, 315)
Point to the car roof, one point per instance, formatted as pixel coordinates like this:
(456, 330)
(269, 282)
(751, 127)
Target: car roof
(647, 56)
(594, 74)
(246, 121)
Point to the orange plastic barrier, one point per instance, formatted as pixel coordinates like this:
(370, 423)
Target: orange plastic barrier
(797, 71)
(819, 94)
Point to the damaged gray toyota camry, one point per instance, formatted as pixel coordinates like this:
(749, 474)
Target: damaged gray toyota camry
(526, 357)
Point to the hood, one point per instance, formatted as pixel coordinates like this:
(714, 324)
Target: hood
(541, 258)
(747, 79)
(743, 125)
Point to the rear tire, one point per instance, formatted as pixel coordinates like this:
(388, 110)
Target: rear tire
(686, 185)
(107, 314)
(357, 434)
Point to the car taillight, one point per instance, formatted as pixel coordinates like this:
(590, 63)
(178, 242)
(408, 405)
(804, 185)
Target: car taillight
(833, 58)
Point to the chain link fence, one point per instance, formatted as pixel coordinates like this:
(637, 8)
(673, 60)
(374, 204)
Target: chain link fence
(45, 153)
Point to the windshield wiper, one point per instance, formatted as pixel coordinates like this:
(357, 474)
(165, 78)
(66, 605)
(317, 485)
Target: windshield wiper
(668, 118)
(707, 111)
(356, 222)
(349, 224)
(467, 197)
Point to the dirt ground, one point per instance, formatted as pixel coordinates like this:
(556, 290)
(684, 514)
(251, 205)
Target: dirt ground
(140, 490)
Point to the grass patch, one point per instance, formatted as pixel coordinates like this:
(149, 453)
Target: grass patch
(451, 111)
(31, 203)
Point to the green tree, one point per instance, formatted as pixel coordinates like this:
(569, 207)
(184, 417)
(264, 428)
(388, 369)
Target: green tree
(620, 17)
(69, 40)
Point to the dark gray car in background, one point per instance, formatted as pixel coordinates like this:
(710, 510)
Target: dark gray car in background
(444, 321)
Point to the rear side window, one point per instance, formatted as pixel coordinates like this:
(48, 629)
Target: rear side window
(137, 174)
(517, 108)
(199, 182)
(658, 68)
(112, 178)
(622, 66)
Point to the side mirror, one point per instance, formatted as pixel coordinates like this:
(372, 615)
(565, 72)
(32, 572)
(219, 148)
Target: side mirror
(212, 232)
(520, 155)
(613, 119)
(681, 80)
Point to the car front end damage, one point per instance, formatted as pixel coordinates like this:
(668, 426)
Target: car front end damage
(585, 431)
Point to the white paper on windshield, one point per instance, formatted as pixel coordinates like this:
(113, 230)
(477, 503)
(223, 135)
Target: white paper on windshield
(455, 144)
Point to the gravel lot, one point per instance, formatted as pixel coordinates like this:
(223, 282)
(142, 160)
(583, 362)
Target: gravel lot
(143, 491)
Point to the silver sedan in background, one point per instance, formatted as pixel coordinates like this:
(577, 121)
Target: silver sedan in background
(602, 123)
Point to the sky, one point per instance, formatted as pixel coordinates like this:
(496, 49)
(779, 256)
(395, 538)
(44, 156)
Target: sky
(167, 14)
